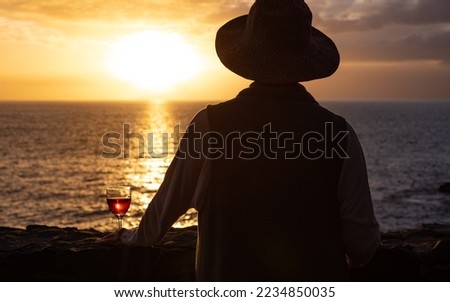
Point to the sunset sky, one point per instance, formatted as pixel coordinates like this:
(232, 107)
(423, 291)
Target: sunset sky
(59, 49)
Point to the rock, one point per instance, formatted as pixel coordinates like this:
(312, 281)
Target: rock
(42, 253)
(444, 188)
(421, 254)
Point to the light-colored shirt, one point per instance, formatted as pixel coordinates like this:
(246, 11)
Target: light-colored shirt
(187, 180)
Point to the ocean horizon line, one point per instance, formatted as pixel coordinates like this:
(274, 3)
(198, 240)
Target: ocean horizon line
(168, 101)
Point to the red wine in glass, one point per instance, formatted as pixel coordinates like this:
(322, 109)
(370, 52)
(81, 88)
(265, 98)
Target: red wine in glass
(119, 200)
(118, 206)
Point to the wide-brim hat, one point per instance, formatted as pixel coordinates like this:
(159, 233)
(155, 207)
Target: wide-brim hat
(276, 43)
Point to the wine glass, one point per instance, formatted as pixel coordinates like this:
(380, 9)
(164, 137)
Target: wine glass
(119, 200)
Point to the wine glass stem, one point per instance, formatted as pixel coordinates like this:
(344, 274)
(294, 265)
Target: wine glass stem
(119, 220)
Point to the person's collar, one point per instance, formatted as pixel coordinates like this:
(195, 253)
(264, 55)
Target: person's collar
(279, 91)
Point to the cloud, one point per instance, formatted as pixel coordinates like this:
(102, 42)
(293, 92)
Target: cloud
(332, 15)
(368, 30)
(415, 46)
(109, 19)
(435, 46)
(386, 30)
(227, 10)
(361, 15)
(117, 10)
(28, 32)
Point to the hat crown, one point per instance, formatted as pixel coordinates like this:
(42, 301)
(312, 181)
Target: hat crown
(280, 24)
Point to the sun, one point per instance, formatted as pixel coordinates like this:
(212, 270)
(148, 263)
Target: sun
(154, 61)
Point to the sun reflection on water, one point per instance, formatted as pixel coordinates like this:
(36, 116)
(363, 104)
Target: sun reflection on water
(146, 173)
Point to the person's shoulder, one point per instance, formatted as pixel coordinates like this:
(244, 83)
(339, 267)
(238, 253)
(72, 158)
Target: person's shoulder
(332, 116)
(227, 103)
(224, 108)
(222, 104)
(329, 112)
(200, 121)
(200, 115)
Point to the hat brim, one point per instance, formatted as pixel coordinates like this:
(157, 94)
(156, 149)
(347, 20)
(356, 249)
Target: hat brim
(319, 59)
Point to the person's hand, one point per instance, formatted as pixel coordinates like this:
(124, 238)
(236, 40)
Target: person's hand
(111, 239)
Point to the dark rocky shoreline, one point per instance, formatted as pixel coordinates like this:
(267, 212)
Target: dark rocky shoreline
(42, 253)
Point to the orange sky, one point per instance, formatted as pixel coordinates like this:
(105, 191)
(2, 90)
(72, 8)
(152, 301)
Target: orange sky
(56, 49)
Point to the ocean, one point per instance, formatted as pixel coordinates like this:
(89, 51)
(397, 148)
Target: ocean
(52, 171)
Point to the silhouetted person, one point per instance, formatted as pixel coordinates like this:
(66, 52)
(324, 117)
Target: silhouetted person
(280, 183)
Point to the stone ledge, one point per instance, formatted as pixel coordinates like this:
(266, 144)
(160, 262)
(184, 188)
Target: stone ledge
(42, 253)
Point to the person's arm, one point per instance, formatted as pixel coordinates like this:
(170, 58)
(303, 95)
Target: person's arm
(360, 228)
(178, 192)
